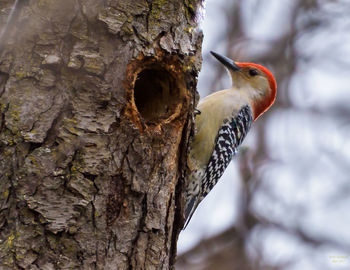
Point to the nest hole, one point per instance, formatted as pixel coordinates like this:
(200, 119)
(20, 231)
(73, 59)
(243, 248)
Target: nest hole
(156, 94)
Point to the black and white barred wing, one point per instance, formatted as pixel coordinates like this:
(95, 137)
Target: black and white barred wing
(229, 137)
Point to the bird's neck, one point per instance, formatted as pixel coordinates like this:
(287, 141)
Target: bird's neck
(259, 103)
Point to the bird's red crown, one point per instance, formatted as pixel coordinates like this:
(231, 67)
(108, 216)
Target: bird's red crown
(262, 107)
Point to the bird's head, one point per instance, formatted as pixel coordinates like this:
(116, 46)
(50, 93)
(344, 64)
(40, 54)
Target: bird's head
(255, 81)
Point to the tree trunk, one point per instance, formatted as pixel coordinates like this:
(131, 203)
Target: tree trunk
(97, 103)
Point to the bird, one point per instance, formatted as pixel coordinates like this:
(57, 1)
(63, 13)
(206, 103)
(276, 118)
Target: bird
(222, 121)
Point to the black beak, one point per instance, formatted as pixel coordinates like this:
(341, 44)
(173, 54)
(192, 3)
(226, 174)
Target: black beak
(227, 62)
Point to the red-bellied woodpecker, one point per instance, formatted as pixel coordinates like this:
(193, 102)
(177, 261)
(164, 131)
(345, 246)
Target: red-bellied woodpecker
(221, 124)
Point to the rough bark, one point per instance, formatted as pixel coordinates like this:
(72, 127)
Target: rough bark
(96, 110)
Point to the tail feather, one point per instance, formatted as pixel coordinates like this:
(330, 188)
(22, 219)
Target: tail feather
(190, 209)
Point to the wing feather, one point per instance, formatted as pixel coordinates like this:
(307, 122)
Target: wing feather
(228, 139)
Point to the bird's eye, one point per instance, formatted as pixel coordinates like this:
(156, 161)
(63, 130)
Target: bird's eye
(253, 72)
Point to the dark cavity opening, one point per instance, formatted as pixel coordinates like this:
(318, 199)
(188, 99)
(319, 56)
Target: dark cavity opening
(156, 94)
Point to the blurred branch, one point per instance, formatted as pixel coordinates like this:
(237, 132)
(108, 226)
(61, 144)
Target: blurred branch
(223, 251)
(316, 241)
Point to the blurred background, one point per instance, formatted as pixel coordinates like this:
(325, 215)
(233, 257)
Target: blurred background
(284, 201)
